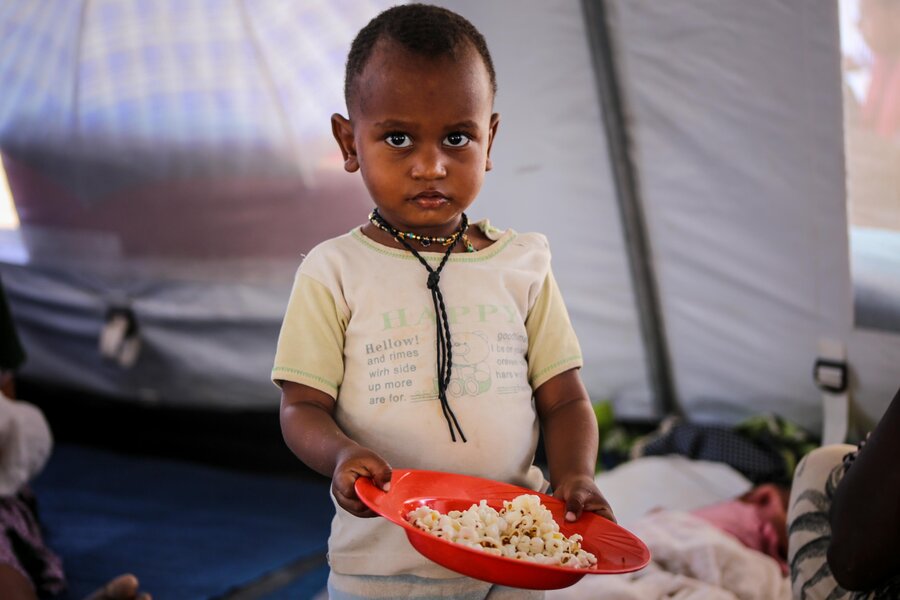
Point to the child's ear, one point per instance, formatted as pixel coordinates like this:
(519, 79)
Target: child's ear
(342, 129)
(766, 495)
(492, 131)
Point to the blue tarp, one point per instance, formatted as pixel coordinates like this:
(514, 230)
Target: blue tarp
(187, 531)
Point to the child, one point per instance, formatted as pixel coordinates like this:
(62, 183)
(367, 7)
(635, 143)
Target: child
(28, 567)
(418, 340)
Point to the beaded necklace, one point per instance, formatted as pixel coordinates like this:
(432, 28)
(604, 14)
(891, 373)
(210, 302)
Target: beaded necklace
(442, 323)
(425, 240)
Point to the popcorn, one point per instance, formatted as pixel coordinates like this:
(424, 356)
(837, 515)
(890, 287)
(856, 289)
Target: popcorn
(523, 529)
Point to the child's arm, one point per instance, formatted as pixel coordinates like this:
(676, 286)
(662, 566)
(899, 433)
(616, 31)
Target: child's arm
(571, 440)
(309, 429)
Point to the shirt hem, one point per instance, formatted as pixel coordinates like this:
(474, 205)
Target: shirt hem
(375, 565)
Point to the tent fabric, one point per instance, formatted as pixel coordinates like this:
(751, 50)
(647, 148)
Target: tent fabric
(209, 286)
(177, 159)
(700, 113)
(736, 116)
(203, 342)
(162, 130)
(552, 174)
(166, 80)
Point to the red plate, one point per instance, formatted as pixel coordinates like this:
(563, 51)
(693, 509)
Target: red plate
(617, 549)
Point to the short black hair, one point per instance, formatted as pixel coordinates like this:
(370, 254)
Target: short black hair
(424, 29)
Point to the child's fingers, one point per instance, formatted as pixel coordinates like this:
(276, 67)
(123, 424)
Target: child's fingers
(575, 503)
(344, 482)
(343, 487)
(381, 475)
(598, 504)
(376, 469)
(590, 499)
(351, 503)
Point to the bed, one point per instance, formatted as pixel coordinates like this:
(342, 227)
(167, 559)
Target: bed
(691, 559)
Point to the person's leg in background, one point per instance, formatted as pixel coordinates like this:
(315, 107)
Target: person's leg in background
(15, 585)
(809, 529)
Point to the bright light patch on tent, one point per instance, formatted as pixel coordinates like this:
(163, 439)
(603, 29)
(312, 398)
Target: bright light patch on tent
(870, 44)
(9, 218)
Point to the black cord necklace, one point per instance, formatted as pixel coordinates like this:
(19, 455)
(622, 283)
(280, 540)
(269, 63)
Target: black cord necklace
(440, 311)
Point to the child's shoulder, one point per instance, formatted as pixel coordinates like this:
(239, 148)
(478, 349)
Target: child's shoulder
(333, 247)
(329, 257)
(527, 252)
(525, 240)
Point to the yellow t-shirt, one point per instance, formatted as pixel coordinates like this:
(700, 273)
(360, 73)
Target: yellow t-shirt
(360, 326)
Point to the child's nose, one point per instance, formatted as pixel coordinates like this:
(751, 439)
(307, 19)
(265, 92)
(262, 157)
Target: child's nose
(429, 164)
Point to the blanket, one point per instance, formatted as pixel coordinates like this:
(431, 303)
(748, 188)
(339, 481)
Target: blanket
(691, 559)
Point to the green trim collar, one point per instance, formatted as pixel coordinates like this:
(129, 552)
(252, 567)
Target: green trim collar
(502, 241)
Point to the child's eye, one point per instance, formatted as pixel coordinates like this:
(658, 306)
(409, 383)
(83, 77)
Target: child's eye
(456, 140)
(398, 140)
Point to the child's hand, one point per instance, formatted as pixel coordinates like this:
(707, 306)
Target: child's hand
(352, 464)
(581, 493)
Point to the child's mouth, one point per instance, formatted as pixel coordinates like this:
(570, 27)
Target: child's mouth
(430, 199)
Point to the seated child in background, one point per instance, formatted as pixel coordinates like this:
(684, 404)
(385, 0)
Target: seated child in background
(419, 340)
(28, 568)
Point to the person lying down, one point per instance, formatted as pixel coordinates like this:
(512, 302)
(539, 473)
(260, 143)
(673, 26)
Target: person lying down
(726, 550)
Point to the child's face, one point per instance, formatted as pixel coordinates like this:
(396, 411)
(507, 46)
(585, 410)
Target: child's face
(420, 132)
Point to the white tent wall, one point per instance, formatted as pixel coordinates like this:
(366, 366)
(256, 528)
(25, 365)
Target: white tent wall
(154, 166)
(735, 115)
(552, 174)
(736, 121)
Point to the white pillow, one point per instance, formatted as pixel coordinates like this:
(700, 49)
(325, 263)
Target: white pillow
(672, 482)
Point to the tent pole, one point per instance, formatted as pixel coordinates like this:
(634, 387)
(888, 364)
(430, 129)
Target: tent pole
(634, 227)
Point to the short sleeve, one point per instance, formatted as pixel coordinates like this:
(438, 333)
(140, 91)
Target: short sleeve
(552, 344)
(311, 343)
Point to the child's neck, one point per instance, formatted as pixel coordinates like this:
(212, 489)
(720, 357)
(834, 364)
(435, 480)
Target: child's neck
(476, 237)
